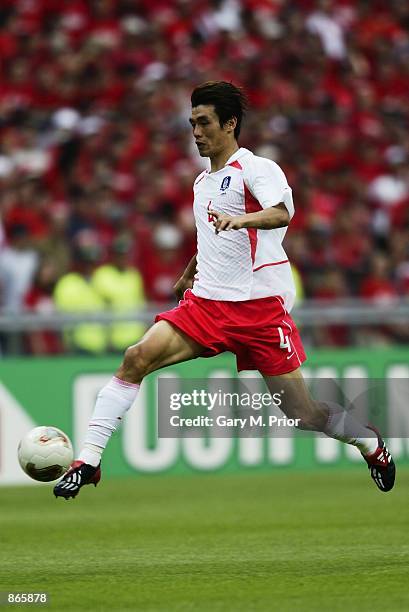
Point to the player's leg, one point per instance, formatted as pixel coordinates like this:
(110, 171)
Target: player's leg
(333, 420)
(162, 345)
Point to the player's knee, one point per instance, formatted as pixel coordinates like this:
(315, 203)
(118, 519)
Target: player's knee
(136, 362)
(313, 419)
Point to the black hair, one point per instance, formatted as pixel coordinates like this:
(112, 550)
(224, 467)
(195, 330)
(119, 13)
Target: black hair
(228, 101)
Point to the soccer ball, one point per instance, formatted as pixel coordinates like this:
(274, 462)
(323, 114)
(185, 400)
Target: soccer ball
(45, 453)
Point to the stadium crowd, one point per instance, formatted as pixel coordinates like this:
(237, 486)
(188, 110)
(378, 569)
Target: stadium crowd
(97, 160)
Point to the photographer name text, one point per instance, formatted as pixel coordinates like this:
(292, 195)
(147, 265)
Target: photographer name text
(236, 422)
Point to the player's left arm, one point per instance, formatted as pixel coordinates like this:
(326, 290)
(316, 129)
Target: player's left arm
(268, 218)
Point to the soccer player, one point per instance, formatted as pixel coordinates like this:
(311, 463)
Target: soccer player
(236, 295)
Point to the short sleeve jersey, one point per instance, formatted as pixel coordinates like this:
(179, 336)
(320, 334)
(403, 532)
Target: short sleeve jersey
(245, 264)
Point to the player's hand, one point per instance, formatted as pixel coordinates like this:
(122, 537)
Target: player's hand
(181, 285)
(224, 222)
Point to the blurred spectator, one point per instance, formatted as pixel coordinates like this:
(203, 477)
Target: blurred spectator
(378, 285)
(332, 286)
(392, 188)
(163, 263)
(121, 287)
(75, 293)
(93, 287)
(29, 208)
(39, 299)
(55, 246)
(18, 264)
(323, 22)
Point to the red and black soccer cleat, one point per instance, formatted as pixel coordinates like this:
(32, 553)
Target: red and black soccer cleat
(78, 475)
(381, 465)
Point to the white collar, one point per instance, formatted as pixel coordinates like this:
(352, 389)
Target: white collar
(236, 155)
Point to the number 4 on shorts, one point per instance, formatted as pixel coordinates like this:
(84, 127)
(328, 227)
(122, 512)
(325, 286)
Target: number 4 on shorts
(284, 340)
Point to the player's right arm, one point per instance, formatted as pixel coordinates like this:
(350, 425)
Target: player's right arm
(186, 280)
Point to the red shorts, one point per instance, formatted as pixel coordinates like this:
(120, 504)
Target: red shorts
(260, 332)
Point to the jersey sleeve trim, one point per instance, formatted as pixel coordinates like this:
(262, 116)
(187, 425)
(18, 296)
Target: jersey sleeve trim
(251, 204)
(236, 164)
(274, 263)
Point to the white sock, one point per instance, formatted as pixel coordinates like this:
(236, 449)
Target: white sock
(112, 402)
(343, 426)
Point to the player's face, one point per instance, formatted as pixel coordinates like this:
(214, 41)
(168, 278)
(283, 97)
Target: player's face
(209, 136)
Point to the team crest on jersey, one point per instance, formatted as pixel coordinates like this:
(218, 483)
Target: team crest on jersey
(225, 183)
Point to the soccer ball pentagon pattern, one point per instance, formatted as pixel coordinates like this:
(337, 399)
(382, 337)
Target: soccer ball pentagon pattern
(45, 453)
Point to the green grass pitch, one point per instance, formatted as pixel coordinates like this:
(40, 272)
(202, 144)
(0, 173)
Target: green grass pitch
(283, 540)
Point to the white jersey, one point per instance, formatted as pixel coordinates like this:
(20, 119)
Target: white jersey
(243, 264)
